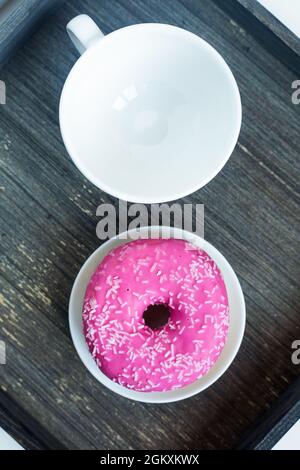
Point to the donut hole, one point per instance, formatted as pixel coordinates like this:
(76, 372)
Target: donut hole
(157, 315)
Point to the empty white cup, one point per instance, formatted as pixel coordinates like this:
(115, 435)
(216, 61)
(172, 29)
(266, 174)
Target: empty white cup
(150, 112)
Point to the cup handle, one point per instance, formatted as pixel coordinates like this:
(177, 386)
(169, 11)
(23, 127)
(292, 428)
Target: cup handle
(83, 32)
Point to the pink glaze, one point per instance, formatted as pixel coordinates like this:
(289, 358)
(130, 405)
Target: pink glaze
(145, 272)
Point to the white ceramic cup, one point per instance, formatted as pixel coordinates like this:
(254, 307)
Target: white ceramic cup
(237, 316)
(150, 112)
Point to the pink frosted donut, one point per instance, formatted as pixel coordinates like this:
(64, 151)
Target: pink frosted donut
(171, 274)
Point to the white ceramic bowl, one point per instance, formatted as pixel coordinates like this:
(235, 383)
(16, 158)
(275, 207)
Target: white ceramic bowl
(237, 312)
(150, 112)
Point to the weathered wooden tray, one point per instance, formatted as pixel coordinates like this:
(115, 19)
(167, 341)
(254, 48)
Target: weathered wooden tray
(48, 228)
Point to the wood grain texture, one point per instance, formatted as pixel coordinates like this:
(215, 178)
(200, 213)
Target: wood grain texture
(266, 18)
(48, 226)
(19, 19)
(271, 427)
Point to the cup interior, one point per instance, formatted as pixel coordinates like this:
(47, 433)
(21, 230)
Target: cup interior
(156, 102)
(237, 315)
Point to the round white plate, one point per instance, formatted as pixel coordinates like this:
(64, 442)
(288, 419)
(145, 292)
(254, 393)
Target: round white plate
(237, 312)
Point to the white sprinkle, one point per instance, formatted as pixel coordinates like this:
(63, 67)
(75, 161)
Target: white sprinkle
(153, 267)
(182, 330)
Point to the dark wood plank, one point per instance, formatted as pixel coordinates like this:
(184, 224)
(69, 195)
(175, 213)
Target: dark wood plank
(283, 44)
(272, 23)
(30, 434)
(48, 225)
(18, 20)
(276, 423)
